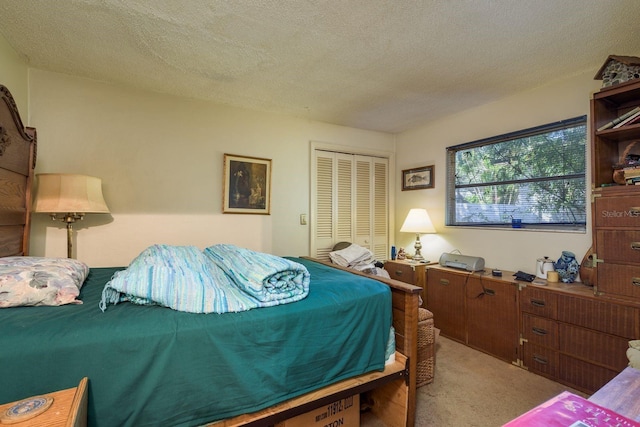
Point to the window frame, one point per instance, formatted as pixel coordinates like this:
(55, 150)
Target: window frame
(451, 187)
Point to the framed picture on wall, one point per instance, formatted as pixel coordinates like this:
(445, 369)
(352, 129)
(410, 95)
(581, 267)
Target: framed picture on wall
(247, 185)
(417, 178)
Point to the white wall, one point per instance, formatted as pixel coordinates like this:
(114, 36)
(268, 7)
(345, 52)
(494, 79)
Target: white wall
(13, 75)
(425, 145)
(160, 159)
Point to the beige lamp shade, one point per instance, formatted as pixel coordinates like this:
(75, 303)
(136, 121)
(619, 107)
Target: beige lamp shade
(418, 221)
(64, 193)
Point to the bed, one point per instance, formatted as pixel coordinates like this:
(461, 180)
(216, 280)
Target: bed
(150, 365)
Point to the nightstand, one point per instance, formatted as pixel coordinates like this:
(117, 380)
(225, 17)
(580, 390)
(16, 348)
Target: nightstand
(415, 273)
(409, 272)
(69, 408)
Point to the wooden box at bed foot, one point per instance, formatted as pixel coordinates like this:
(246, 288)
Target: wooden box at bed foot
(426, 347)
(344, 413)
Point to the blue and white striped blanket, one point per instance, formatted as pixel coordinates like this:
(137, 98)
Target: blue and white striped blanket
(186, 279)
(268, 278)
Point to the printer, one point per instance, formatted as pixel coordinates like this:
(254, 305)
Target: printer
(464, 262)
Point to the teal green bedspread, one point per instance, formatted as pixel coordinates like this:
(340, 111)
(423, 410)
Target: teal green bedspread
(151, 366)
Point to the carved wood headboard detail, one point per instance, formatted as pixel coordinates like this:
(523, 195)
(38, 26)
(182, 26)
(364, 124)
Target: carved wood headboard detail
(17, 163)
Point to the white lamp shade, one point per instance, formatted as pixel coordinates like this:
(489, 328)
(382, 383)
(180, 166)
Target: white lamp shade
(418, 221)
(65, 193)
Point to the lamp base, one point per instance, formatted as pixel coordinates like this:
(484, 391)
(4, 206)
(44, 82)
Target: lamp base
(418, 258)
(418, 246)
(69, 219)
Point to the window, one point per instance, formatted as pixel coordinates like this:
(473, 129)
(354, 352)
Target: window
(535, 175)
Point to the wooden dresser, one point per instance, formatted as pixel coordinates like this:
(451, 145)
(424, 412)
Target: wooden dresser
(574, 337)
(476, 309)
(558, 330)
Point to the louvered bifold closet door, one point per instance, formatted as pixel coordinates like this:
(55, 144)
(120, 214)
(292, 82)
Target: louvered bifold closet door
(363, 202)
(372, 205)
(332, 214)
(380, 245)
(350, 202)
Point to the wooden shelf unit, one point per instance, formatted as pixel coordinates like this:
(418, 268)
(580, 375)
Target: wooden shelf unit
(615, 208)
(608, 145)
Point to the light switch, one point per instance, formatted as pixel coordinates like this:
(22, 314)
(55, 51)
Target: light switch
(303, 219)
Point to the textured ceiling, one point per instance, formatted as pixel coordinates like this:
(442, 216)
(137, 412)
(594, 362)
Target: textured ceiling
(385, 65)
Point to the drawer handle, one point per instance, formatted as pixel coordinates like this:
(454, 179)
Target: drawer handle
(635, 246)
(537, 303)
(398, 272)
(489, 292)
(635, 281)
(540, 359)
(539, 331)
(444, 281)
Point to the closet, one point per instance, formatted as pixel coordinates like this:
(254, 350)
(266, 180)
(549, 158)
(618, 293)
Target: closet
(349, 202)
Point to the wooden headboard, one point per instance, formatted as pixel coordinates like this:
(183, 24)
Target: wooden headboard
(17, 162)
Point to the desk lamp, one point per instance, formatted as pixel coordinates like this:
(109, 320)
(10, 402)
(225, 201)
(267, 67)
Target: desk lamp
(67, 198)
(418, 222)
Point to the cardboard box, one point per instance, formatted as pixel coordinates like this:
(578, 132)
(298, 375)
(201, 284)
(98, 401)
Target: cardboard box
(342, 413)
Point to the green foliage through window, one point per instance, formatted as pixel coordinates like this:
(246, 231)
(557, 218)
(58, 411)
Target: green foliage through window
(536, 175)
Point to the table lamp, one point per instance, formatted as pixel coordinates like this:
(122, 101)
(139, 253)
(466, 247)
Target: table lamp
(68, 197)
(418, 222)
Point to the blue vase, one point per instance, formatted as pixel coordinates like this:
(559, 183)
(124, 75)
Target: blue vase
(567, 267)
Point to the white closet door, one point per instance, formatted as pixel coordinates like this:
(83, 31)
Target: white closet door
(332, 211)
(349, 202)
(380, 209)
(363, 202)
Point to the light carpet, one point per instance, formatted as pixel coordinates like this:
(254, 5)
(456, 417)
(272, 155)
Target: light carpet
(471, 388)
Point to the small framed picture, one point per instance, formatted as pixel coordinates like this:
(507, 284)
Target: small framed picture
(247, 185)
(417, 178)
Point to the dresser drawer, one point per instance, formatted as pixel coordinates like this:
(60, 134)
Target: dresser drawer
(619, 280)
(402, 272)
(583, 375)
(540, 331)
(540, 359)
(615, 319)
(603, 349)
(618, 246)
(617, 211)
(539, 302)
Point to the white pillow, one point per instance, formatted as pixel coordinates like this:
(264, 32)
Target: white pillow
(31, 281)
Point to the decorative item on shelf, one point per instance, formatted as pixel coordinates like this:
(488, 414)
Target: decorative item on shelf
(567, 267)
(401, 254)
(543, 266)
(621, 120)
(587, 268)
(618, 69)
(418, 222)
(68, 197)
(628, 166)
(552, 276)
